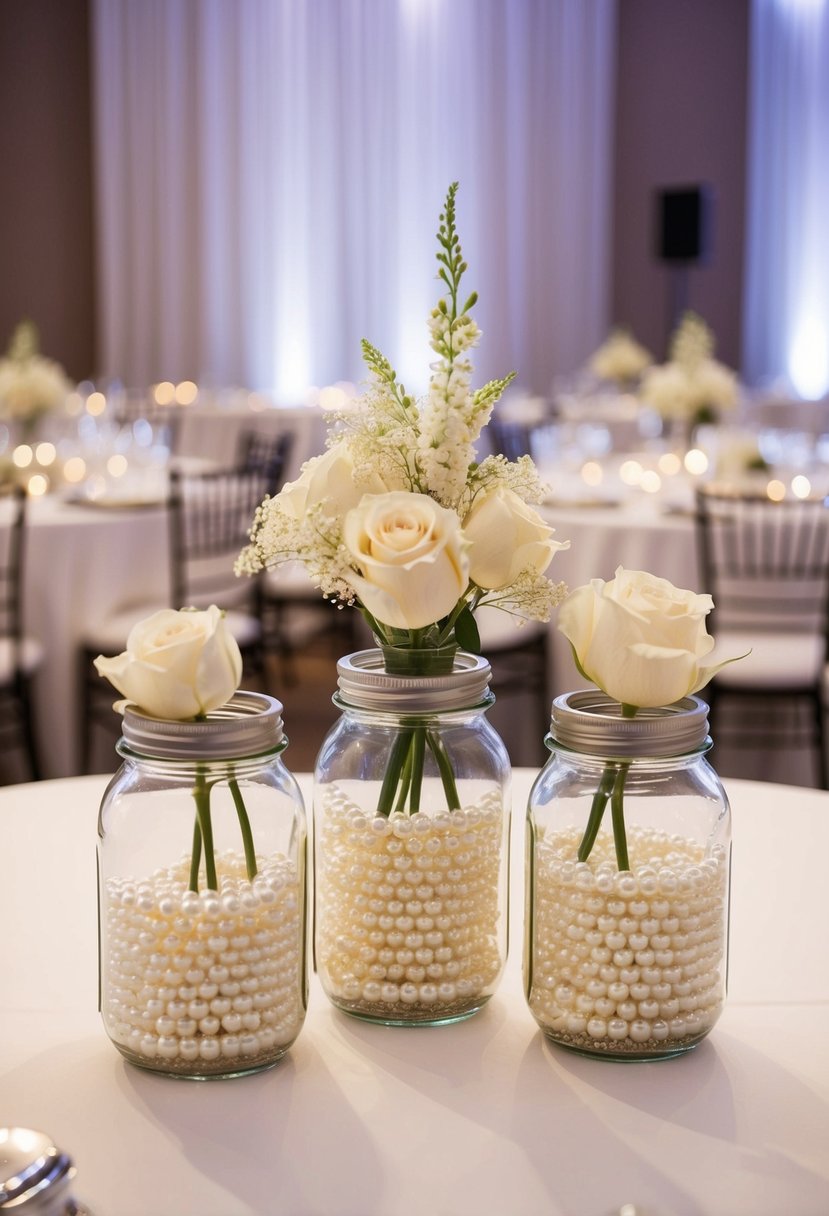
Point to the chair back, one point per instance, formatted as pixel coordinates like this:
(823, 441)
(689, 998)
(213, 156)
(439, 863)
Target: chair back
(267, 453)
(210, 517)
(13, 512)
(765, 563)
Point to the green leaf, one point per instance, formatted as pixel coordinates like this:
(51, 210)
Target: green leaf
(466, 631)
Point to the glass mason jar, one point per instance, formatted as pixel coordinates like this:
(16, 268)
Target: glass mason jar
(627, 887)
(411, 823)
(202, 893)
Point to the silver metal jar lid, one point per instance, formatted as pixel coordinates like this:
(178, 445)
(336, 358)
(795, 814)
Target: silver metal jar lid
(250, 724)
(591, 722)
(364, 683)
(32, 1170)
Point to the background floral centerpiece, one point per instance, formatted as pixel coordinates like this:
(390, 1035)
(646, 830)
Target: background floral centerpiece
(692, 387)
(31, 385)
(620, 359)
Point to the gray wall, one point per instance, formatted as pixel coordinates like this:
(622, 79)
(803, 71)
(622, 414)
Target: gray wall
(46, 220)
(681, 111)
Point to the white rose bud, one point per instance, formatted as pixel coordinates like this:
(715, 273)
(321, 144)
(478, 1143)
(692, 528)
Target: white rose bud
(505, 537)
(326, 479)
(410, 554)
(639, 638)
(177, 665)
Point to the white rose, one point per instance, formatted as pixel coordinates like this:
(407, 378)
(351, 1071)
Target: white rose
(639, 638)
(505, 537)
(177, 665)
(326, 479)
(410, 553)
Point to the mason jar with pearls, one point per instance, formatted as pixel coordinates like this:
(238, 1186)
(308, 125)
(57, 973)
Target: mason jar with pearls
(411, 821)
(202, 893)
(627, 888)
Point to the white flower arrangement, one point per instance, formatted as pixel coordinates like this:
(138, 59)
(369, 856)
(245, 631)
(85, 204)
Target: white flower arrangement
(30, 384)
(692, 385)
(397, 518)
(620, 358)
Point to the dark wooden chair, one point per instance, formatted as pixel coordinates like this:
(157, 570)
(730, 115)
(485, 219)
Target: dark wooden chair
(20, 655)
(766, 564)
(210, 515)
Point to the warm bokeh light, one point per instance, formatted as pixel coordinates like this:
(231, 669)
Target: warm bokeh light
(592, 473)
(22, 456)
(669, 464)
(117, 465)
(801, 486)
(651, 482)
(45, 454)
(37, 485)
(96, 403)
(696, 462)
(74, 470)
(164, 392)
(776, 491)
(186, 392)
(258, 402)
(631, 472)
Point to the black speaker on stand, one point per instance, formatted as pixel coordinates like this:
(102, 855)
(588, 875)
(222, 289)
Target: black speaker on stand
(683, 239)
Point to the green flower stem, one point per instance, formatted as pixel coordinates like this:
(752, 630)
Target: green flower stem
(450, 789)
(195, 859)
(617, 812)
(597, 810)
(394, 770)
(201, 794)
(244, 825)
(405, 780)
(417, 754)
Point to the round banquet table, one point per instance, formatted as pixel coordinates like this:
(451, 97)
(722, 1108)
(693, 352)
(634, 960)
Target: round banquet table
(483, 1117)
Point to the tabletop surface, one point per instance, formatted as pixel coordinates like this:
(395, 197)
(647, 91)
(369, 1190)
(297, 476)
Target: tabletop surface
(480, 1117)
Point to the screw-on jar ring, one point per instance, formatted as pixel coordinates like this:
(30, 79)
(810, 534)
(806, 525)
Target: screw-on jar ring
(364, 683)
(591, 722)
(249, 724)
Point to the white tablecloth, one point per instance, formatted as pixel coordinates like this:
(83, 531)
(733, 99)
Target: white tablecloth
(82, 562)
(481, 1118)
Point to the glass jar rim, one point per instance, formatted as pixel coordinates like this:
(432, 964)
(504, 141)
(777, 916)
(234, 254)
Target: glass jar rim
(364, 683)
(591, 722)
(249, 724)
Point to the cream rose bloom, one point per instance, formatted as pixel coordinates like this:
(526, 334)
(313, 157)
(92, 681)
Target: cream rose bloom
(177, 665)
(505, 537)
(411, 557)
(326, 479)
(639, 638)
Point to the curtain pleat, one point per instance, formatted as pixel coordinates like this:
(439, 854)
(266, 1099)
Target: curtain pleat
(270, 173)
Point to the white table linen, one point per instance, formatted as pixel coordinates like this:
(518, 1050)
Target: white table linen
(479, 1118)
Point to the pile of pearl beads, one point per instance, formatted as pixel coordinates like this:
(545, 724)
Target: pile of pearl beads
(207, 982)
(633, 961)
(407, 907)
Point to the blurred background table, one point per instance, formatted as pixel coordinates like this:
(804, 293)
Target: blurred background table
(475, 1119)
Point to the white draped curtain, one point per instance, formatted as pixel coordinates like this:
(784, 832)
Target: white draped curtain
(270, 175)
(787, 262)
